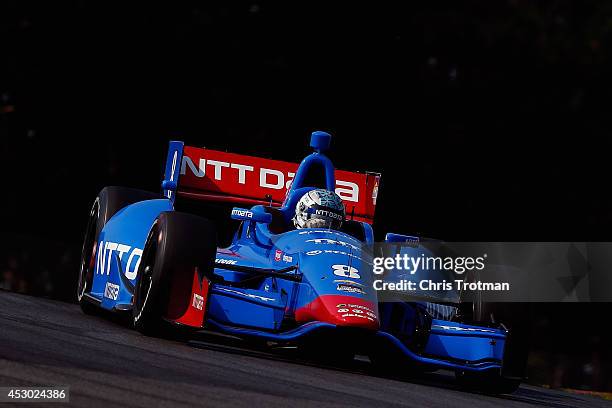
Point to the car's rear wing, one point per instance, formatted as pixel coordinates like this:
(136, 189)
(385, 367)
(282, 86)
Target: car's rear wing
(212, 175)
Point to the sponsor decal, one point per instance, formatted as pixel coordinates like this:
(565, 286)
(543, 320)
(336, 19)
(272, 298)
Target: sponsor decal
(316, 252)
(357, 315)
(346, 306)
(236, 174)
(342, 287)
(349, 282)
(352, 310)
(413, 242)
(331, 232)
(222, 261)
(279, 255)
(375, 190)
(242, 213)
(105, 255)
(228, 252)
(198, 301)
(456, 328)
(111, 291)
(249, 295)
(330, 214)
(346, 271)
(233, 174)
(327, 241)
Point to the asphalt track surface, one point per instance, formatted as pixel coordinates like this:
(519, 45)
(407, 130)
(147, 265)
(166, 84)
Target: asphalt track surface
(44, 343)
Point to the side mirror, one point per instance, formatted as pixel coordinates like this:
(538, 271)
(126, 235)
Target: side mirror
(261, 216)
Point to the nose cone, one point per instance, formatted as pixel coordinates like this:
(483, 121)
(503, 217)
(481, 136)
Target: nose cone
(340, 310)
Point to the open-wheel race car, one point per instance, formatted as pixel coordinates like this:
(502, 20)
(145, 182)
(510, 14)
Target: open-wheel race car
(184, 258)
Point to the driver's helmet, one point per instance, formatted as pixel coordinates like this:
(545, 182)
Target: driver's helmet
(319, 209)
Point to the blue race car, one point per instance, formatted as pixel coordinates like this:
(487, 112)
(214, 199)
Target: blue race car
(184, 258)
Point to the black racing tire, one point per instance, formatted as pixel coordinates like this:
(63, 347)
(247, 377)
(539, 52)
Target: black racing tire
(386, 360)
(177, 243)
(487, 382)
(108, 202)
(516, 319)
(324, 351)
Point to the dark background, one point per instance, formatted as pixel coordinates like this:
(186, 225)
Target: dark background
(488, 120)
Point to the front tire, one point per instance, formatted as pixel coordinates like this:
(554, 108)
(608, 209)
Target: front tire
(516, 318)
(488, 382)
(324, 351)
(177, 244)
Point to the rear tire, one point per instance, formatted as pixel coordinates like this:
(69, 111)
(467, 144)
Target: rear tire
(108, 202)
(177, 244)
